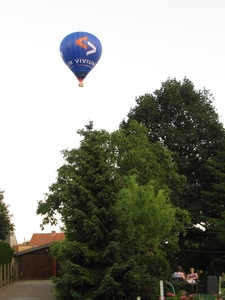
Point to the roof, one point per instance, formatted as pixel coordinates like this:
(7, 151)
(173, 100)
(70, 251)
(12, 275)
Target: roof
(33, 249)
(39, 239)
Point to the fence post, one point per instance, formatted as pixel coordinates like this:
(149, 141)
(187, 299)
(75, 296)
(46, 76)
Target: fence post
(4, 275)
(161, 289)
(10, 273)
(7, 273)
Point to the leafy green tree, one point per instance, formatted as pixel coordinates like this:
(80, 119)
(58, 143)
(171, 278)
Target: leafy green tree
(113, 196)
(213, 188)
(213, 211)
(97, 259)
(153, 167)
(147, 161)
(151, 212)
(5, 218)
(186, 123)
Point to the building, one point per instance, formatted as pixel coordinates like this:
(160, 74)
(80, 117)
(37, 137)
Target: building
(36, 262)
(11, 239)
(39, 239)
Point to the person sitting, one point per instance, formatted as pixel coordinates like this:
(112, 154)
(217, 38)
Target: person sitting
(192, 276)
(179, 274)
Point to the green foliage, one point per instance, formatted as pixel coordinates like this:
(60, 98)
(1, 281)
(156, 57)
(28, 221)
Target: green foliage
(97, 257)
(113, 216)
(186, 123)
(5, 253)
(148, 161)
(5, 218)
(80, 182)
(152, 165)
(213, 189)
(150, 210)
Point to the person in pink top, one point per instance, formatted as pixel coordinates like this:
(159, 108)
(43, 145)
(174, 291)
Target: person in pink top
(192, 276)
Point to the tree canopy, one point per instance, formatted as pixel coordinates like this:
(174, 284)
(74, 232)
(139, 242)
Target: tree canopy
(137, 201)
(96, 257)
(107, 244)
(186, 123)
(6, 226)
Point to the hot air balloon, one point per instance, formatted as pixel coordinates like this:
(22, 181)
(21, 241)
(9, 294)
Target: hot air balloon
(80, 51)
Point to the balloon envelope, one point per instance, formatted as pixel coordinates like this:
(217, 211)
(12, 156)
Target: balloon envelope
(80, 51)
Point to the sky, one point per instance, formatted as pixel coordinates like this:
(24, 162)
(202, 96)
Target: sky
(41, 106)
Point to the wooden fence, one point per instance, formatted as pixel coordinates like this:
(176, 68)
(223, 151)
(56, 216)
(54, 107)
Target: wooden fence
(8, 273)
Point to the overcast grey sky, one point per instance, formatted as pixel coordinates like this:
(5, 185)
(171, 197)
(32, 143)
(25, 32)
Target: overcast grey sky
(144, 42)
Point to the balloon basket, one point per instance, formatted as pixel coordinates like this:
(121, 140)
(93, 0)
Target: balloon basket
(80, 84)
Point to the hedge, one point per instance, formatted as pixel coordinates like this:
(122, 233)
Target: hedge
(5, 253)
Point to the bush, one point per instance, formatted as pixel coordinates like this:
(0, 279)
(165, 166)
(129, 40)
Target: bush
(5, 253)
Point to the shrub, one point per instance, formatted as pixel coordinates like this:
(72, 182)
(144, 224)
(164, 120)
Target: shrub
(5, 253)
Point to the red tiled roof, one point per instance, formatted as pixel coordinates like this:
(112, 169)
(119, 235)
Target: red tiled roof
(39, 239)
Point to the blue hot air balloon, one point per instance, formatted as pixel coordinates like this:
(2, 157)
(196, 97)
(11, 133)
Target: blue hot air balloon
(80, 51)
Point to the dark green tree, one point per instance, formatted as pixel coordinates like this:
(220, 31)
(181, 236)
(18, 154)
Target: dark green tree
(113, 196)
(147, 161)
(6, 226)
(213, 188)
(185, 122)
(156, 176)
(97, 259)
(213, 211)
